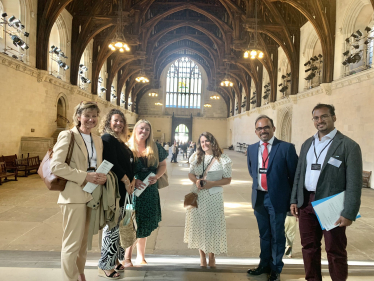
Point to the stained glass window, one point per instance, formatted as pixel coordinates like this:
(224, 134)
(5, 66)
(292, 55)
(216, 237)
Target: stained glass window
(183, 84)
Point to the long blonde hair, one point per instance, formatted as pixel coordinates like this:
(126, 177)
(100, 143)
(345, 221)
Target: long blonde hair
(150, 145)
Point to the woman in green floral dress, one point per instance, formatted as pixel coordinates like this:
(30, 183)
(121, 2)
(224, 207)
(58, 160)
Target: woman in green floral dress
(150, 157)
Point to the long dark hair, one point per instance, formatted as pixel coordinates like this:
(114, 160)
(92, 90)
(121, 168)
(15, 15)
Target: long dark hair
(217, 151)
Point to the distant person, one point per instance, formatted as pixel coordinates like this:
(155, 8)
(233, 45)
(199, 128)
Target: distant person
(192, 151)
(205, 227)
(184, 149)
(87, 156)
(290, 231)
(272, 166)
(174, 151)
(330, 163)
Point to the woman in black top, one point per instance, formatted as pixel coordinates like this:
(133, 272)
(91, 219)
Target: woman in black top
(113, 129)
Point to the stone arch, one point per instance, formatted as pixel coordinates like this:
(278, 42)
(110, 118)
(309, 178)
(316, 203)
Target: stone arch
(351, 14)
(62, 107)
(285, 124)
(63, 43)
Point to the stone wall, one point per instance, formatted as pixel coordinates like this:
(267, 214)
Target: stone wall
(352, 97)
(28, 100)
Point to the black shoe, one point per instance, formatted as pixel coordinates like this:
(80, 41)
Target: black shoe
(259, 270)
(274, 276)
(288, 250)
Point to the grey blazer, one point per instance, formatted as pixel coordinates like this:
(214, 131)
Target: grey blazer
(334, 180)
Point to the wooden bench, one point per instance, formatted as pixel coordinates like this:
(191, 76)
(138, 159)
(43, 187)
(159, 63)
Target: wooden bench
(5, 174)
(10, 161)
(28, 164)
(366, 178)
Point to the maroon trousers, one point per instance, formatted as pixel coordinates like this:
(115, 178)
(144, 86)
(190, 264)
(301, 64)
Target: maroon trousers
(311, 236)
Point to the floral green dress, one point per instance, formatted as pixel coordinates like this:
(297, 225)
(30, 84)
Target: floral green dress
(147, 205)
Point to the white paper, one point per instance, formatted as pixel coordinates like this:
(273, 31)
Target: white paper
(335, 162)
(137, 192)
(215, 176)
(104, 168)
(329, 210)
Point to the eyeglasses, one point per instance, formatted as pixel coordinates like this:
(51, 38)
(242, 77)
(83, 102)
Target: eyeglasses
(323, 118)
(266, 128)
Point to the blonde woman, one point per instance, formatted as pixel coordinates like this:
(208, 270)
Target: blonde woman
(149, 157)
(205, 227)
(87, 156)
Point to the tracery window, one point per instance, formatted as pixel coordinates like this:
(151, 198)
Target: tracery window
(183, 84)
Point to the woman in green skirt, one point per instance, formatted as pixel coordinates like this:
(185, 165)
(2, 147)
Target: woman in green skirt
(149, 157)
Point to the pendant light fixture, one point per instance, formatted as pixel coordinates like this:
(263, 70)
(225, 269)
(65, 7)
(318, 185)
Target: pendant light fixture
(119, 42)
(254, 52)
(226, 82)
(142, 78)
(207, 105)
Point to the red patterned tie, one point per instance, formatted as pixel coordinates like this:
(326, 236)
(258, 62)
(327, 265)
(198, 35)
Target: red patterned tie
(265, 160)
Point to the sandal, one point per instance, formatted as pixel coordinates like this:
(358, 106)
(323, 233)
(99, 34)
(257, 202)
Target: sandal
(119, 267)
(127, 264)
(143, 262)
(102, 273)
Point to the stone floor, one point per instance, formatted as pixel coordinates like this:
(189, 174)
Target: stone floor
(30, 234)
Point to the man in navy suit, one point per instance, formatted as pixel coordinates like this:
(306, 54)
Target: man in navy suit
(272, 165)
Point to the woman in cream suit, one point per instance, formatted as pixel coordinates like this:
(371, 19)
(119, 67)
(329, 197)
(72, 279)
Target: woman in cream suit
(87, 156)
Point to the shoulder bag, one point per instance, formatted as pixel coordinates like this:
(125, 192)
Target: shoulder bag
(52, 181)
(127, 225)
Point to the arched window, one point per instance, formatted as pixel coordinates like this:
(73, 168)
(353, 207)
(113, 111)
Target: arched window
(183, 84)
(181, 133)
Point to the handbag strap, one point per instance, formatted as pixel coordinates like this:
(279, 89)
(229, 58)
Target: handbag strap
(70, 149)
(208, 168)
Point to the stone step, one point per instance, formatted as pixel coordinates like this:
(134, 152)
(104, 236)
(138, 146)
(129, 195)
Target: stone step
(56, 133)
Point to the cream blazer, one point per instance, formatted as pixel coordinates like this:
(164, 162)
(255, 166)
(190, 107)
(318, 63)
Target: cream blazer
(77, 171)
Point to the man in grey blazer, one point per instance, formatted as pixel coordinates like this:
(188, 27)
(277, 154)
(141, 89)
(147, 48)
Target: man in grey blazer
(329, 163)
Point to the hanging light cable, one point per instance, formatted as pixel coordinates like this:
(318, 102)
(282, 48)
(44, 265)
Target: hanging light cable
(254, 52)
(119, 41)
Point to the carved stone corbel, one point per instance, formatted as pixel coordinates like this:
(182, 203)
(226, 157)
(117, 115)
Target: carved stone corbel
(326, 88)
(41, 75)
(293, 98)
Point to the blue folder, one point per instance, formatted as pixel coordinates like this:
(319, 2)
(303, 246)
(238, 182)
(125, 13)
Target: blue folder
(315, 203)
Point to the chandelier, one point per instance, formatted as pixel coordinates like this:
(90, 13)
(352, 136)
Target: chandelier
(226, 82)
(215, 97)
(254, 52)
(207, 105)
(158, 103)
(142, 78)
(119, 42)
(153, 95)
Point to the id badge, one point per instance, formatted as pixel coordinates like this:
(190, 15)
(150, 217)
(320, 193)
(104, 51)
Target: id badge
(316, 167)
(262, 170)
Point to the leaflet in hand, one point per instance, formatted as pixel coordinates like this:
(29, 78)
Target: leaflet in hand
(215, 176)
(137, 192)
(104, 168)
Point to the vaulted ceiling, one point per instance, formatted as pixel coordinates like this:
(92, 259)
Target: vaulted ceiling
(215, 33)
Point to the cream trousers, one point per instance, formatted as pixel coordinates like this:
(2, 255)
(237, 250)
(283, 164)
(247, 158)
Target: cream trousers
(75, 223)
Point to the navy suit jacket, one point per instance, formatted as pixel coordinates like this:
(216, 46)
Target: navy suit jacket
(280, 173)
